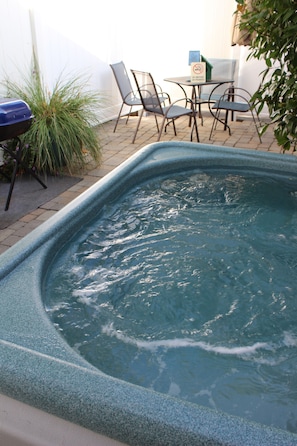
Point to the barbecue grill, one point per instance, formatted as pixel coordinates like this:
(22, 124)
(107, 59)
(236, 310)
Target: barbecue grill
(15, 119)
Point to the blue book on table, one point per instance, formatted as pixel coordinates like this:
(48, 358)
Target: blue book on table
(194, 56)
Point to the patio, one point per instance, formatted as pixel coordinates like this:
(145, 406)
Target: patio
(117, 147)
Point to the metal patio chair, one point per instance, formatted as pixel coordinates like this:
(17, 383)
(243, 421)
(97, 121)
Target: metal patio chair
(222, 69)
(129, 96)
(234, 100)
(153, 102)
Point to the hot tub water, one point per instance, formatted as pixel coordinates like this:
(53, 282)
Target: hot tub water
(186, 286)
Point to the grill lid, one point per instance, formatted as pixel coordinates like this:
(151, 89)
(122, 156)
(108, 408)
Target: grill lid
(15, 118)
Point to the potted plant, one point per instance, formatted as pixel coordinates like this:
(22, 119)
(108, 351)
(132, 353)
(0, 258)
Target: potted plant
(65, 125)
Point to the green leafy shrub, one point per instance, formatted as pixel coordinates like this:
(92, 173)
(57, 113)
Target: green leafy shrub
(274, 27)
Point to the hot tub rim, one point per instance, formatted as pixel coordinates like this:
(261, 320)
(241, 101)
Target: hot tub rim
(219, 428)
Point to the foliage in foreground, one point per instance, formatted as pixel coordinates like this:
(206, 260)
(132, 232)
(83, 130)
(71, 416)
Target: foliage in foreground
(273, 25)
(64, 125)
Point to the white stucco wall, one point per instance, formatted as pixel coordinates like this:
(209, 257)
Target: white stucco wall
(84, 37)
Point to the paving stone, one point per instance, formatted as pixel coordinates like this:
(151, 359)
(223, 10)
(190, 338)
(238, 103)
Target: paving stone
(117, 147)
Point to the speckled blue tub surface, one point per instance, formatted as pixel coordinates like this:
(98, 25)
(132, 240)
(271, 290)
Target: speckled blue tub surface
(40, 369)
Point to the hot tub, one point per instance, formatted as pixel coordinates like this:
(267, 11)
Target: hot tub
(40, 370)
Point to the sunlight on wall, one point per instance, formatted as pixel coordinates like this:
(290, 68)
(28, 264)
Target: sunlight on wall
(15, 40)
(85, 23)
(159, 34)
(84, 37)
(161, 23)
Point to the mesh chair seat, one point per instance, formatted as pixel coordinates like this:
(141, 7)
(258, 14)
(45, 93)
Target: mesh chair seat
(233, 100)
(132, 100)
(175, 111)
(232, 106)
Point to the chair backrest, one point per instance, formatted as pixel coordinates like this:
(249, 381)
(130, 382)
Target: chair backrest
(148, 92)
(221, 69)
(123, 81)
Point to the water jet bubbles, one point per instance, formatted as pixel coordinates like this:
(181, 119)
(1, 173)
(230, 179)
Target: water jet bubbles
(196, 272)
(168, 185)
(290, 339)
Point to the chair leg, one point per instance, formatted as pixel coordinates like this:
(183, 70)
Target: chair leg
(128, 116)
(156, 120)
(118, 118)
(254, 119)
(169, 121)
(161, 129)
(217, 119)
(173, 123)
(138, 124)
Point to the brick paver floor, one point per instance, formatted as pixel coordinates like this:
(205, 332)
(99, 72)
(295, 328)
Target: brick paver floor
(117, 147)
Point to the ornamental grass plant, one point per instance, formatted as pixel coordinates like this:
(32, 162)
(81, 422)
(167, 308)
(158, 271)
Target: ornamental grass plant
(64, 131)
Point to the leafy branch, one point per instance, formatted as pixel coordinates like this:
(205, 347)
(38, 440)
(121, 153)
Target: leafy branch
(274, 27)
